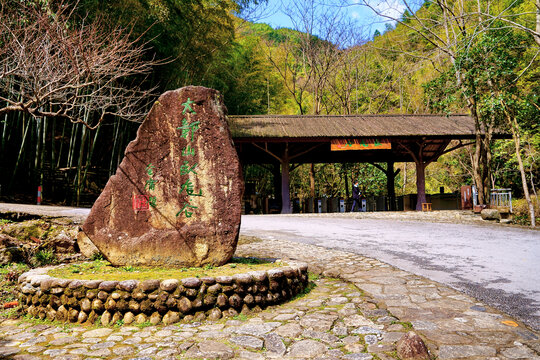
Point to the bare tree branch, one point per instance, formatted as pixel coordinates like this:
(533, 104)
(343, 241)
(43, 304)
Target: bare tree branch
(50, 65)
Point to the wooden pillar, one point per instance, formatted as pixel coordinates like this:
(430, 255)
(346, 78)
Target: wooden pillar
(285, 194)
(390, 185)
(420, 184)
(416, 150)
(285, 180)
(284, 160)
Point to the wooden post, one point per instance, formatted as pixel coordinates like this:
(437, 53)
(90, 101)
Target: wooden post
(285, 180)
(416, 151)
(390, 185)
(420, 184)
(285, 161)
(312, 180)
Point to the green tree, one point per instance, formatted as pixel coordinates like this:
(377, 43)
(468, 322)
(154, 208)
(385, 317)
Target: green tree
(188, 34)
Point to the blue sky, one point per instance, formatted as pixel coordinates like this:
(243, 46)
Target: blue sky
(275, 13)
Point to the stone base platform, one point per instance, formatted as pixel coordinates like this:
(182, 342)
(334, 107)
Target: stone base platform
(168, 301)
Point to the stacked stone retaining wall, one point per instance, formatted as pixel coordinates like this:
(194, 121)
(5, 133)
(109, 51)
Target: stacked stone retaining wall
(154, 301)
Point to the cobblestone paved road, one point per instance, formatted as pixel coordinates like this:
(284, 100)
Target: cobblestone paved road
(496, 264)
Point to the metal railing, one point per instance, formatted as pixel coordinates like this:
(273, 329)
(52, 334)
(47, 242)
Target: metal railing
(501, 197)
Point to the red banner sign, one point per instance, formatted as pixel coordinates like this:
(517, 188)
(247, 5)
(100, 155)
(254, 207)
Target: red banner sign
(360, 144)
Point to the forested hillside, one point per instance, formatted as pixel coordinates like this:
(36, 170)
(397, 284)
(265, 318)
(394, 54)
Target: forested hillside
(449, 56)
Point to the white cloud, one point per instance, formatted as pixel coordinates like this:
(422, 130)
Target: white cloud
(388, 8)
(355, 15)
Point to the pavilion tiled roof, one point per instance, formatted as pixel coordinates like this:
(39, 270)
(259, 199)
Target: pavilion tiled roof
(335, 126)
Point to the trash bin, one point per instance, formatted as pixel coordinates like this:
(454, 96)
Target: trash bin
(342, 205)
(310, 205)
(324, 205)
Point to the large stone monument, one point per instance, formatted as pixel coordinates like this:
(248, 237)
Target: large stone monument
(176, 197)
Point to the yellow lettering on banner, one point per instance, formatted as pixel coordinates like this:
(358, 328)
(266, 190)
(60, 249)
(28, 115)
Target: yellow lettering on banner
(360, 144)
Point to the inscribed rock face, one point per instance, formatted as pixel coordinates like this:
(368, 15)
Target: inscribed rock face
(176, 197)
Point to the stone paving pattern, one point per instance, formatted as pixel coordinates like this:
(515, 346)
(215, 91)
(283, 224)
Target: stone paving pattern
(453, 325)
(359, 309)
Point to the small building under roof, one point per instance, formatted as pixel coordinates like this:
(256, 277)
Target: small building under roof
(286, 139)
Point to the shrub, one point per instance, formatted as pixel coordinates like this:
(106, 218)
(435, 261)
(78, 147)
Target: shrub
(520, 209)
(97, 256)
(45, 257)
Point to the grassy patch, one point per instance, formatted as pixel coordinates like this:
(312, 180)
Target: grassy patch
(4, 222)
(143, 324)
(8, 283)
(45, 257)
(240, 317)
(65, 327)
(406, 325)
(101, 269)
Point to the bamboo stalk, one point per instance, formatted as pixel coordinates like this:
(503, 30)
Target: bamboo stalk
(92, 146)
(122, 136)
(53, 136)
(116, 129)
(72, 141)
(5, 127)
(61, 145)
(38, 143)
(43, 151)
(4, 131)
(78, 182)
(19, 156)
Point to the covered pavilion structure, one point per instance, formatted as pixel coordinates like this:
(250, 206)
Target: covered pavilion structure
(282, 140)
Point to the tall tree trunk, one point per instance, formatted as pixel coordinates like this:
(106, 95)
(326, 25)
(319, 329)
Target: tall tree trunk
(477, 160)
(537, 38)
(517, 142)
